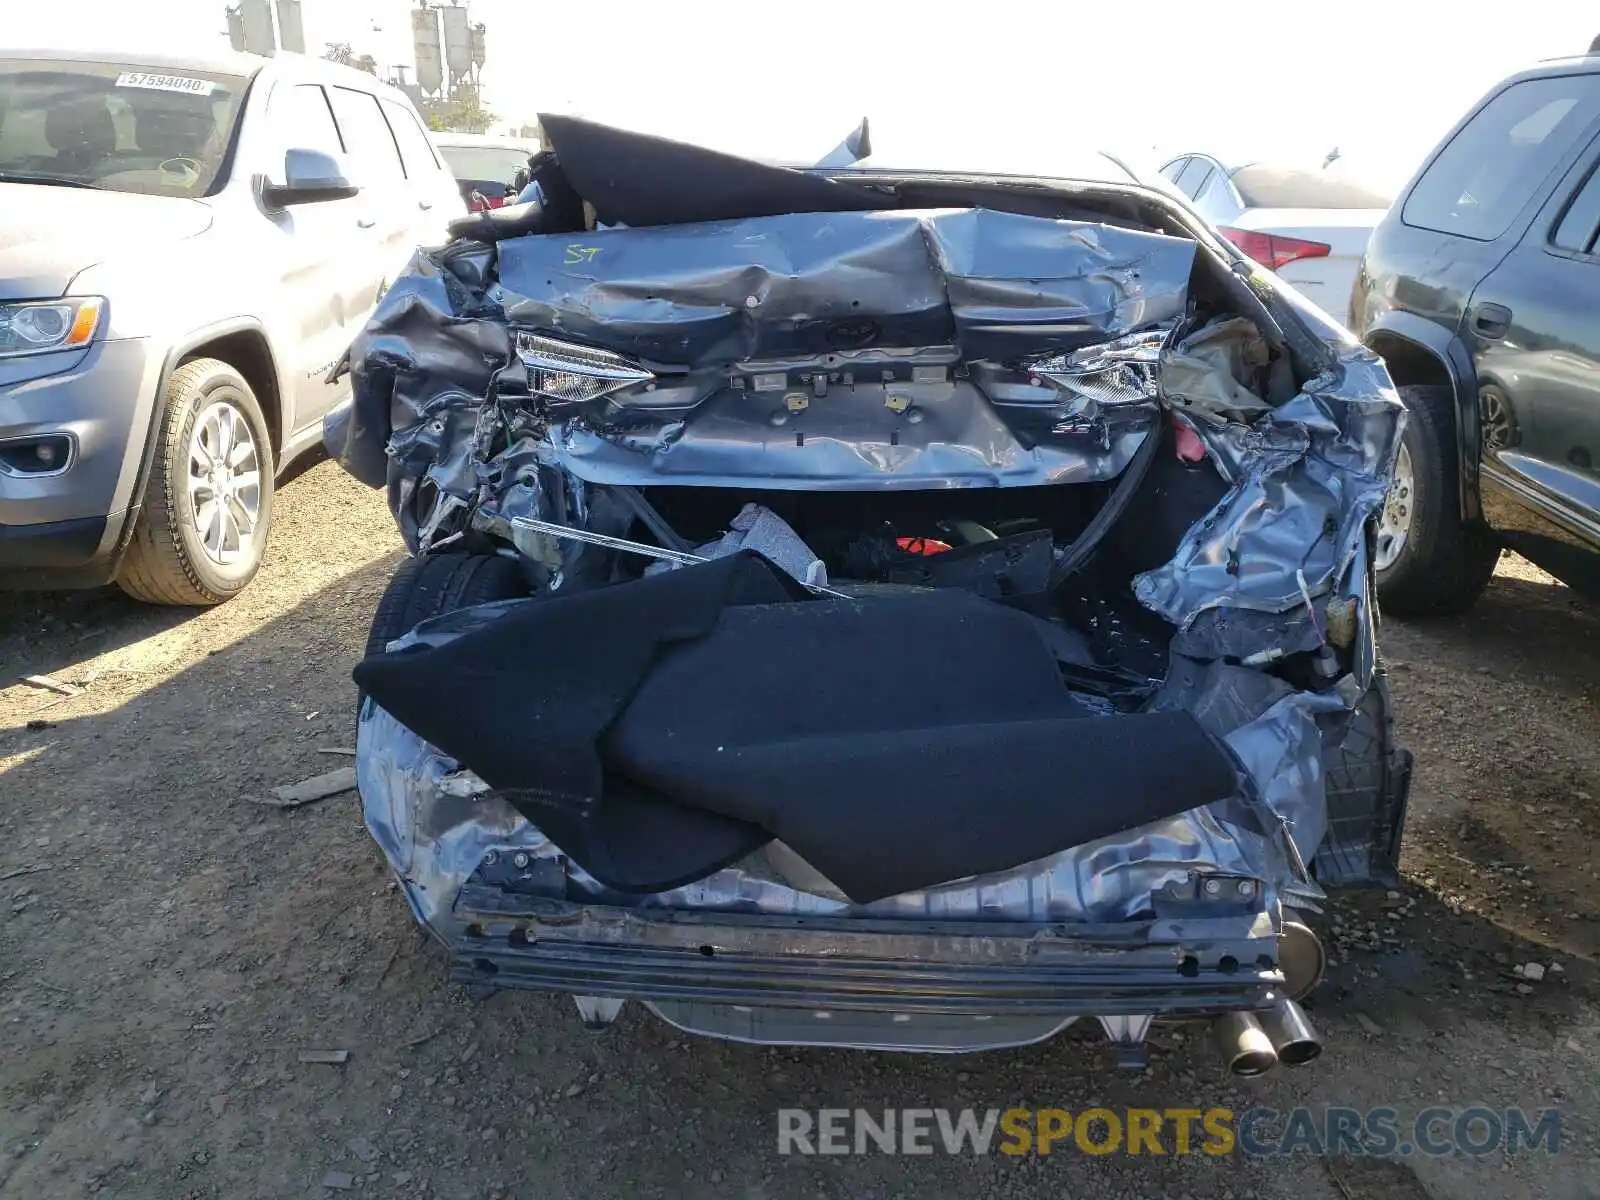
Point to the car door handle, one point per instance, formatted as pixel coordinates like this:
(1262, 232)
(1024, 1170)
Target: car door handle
(366, 222)
(425, 205)
(1491, 320)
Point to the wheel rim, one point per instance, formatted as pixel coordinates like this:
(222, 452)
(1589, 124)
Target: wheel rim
(224, 484)
(1394, 523)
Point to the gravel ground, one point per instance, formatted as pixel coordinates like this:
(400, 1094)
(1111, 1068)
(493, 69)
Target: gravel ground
(168, 947)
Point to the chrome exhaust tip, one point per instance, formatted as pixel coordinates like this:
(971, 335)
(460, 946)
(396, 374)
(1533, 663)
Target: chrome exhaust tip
(1291, 1033)
(1245, 1046)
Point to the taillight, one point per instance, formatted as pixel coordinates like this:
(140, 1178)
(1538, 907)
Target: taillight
(1272, 250)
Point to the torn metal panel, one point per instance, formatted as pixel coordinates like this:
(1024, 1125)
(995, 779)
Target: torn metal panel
(795, 340)
(420, 343)
(1306, 478)
(1282, 751)
(1026, 285)
(727, 291)
(1245, 634)
(869, 436)
(1270, 727)
(1279, 567)
(996, 284)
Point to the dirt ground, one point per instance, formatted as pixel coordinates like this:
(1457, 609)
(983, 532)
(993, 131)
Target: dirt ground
(168, 947)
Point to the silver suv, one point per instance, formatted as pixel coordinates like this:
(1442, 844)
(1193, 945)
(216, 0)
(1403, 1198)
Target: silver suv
(189, 244)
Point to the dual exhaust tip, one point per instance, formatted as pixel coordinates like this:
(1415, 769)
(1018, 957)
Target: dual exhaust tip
(1252, 1043)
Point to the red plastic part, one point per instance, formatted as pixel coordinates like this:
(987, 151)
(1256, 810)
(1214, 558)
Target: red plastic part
(1271, 250)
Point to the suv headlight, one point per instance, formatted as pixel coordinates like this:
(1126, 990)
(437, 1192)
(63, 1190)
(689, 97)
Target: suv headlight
(40, 326)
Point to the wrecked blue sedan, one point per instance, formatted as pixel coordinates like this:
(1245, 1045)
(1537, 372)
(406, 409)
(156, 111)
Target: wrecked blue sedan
(854, 607)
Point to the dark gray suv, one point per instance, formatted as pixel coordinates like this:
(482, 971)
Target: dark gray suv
(1480, 290)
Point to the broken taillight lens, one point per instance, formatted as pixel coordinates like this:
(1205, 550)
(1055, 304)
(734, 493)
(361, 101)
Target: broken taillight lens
(571, 374)
(1111, 375)
(1272, 250)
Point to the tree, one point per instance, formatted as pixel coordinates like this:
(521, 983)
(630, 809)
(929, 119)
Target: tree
(462, 113)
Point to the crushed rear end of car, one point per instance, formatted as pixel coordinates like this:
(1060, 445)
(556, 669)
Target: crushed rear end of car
(949, 608)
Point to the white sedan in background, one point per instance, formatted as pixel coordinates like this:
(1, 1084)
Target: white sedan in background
(1310, 226)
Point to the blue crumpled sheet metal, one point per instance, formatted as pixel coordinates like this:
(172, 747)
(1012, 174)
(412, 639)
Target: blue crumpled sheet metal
(1306, 477)
(701, 298)
(994, 284)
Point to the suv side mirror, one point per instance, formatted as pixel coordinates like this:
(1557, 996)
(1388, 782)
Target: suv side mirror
(309, 176)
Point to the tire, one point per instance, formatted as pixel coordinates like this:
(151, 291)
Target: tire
(1443, 563)
(1366, 779)
(437, 584)
(170, 558)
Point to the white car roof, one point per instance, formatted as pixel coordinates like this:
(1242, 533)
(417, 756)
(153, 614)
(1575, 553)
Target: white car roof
(219, 62)
(223, 62)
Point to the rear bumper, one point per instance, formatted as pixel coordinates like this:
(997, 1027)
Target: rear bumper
(1080, 983)
(980, 984)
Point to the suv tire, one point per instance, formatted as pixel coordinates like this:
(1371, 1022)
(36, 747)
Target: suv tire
(1443, 563)
(202, 531)
(437, 584)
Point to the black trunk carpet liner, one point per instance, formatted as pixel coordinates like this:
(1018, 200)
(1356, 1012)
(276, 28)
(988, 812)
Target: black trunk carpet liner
(660, 729)
(637, 179)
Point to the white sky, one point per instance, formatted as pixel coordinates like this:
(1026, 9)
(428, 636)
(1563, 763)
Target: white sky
(978, 82)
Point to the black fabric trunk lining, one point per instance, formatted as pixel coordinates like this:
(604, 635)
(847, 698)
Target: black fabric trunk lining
(660, 729)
